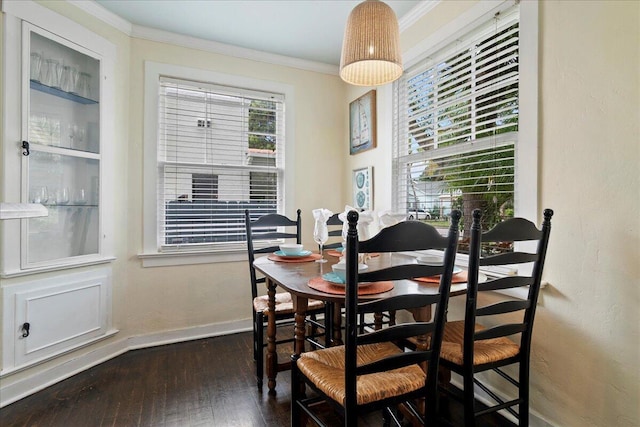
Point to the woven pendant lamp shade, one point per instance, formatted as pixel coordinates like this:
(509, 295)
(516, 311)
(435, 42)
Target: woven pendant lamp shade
(371, 45)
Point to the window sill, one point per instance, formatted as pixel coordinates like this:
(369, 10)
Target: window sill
(166, 259)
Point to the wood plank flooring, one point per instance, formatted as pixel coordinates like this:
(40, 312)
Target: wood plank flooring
(208, 382)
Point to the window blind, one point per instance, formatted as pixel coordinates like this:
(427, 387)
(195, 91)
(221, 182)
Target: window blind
(220, 151)
(456, 125)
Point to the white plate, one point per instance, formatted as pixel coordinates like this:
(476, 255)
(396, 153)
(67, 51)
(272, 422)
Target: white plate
(300, 255)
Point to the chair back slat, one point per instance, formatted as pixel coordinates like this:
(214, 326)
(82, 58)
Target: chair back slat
(404, 236)
(508, 258)
(407, 271)
(514, 229)
(507, 282)
(503, 307)
(396, 332)
(500, 331)
(334, 224)
(272, 235)
(273, 220)
(399, 302)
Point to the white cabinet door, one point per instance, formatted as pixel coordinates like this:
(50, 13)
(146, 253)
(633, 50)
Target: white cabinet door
(57, 141)
(44, 318)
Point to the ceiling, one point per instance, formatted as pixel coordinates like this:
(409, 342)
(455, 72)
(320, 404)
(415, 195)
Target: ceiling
(305, 29)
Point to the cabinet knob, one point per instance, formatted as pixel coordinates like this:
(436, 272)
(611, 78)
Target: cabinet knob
(25, 329)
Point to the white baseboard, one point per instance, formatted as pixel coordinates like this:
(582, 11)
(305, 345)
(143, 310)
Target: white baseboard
(535, 419)
(24, 387)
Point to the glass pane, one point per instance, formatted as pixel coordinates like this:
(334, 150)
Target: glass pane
(68, 187)
(64, 96)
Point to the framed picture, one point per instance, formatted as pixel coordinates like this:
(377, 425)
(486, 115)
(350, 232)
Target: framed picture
(362, 123)
(363, 188)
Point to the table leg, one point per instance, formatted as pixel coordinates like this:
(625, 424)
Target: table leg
(300, 305)
(272, 355)
(337, 324)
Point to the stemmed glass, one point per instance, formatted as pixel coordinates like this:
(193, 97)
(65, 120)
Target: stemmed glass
(320, 236)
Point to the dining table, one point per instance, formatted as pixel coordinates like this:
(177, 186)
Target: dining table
(295, 275)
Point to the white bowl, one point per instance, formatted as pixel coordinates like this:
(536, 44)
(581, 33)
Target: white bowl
(340, 269)
(429, 259)
(291, 248)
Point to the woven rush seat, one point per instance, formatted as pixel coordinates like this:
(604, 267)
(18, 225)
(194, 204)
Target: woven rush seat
(283, 303)
(325, 368)
(484, 351)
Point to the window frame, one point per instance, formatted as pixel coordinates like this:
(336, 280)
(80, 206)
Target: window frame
(526, 164)
(151, 255)
(526, 181)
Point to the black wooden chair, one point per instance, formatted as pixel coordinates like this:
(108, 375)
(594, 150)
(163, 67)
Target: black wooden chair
(269, 228)
(472, 346)
(370, 372)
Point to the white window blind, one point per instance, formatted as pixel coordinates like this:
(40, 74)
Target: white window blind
(219, 153)
(456, 126)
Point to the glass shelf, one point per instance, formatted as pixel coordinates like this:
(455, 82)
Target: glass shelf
(60, 93)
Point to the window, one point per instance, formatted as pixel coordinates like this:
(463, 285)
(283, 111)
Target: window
(457, 126)
(218, 153)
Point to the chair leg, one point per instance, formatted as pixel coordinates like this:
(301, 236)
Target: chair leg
(469, 401)
(523, 391)
(259, 345)
(295, 394)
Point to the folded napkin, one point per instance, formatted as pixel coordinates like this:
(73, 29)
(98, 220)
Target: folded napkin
(389, 218)
(366, 222)
(322, 214)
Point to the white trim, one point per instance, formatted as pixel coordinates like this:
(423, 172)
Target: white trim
(526, 180)
(152, 73)
(162, 36)
(98, 11)
(190, 258)
(13, 110)
(527, 166)
(416, 13)
(471, 18)
(24, 387)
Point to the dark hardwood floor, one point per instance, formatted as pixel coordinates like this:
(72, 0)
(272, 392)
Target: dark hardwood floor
(208, 382)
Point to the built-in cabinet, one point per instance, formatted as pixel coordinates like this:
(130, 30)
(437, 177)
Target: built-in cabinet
(57, 145)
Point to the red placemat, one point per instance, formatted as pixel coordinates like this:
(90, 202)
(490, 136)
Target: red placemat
(319, 284)
(312, 257)
(457, 278)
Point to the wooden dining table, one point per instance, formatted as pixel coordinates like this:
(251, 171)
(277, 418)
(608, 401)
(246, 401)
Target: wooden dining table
(294, 278)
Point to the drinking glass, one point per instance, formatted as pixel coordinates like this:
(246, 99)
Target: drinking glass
(36, 66)
(320, 236)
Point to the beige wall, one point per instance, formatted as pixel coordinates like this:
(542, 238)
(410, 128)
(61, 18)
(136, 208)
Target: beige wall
(192, 295)
(586, 359)
(586, 349)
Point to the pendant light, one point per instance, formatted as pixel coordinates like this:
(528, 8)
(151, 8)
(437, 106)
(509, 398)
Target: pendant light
(371, 46)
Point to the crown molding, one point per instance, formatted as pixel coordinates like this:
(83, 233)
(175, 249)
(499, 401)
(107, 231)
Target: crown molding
(162, 36)
(96, 10)
(416, 13)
